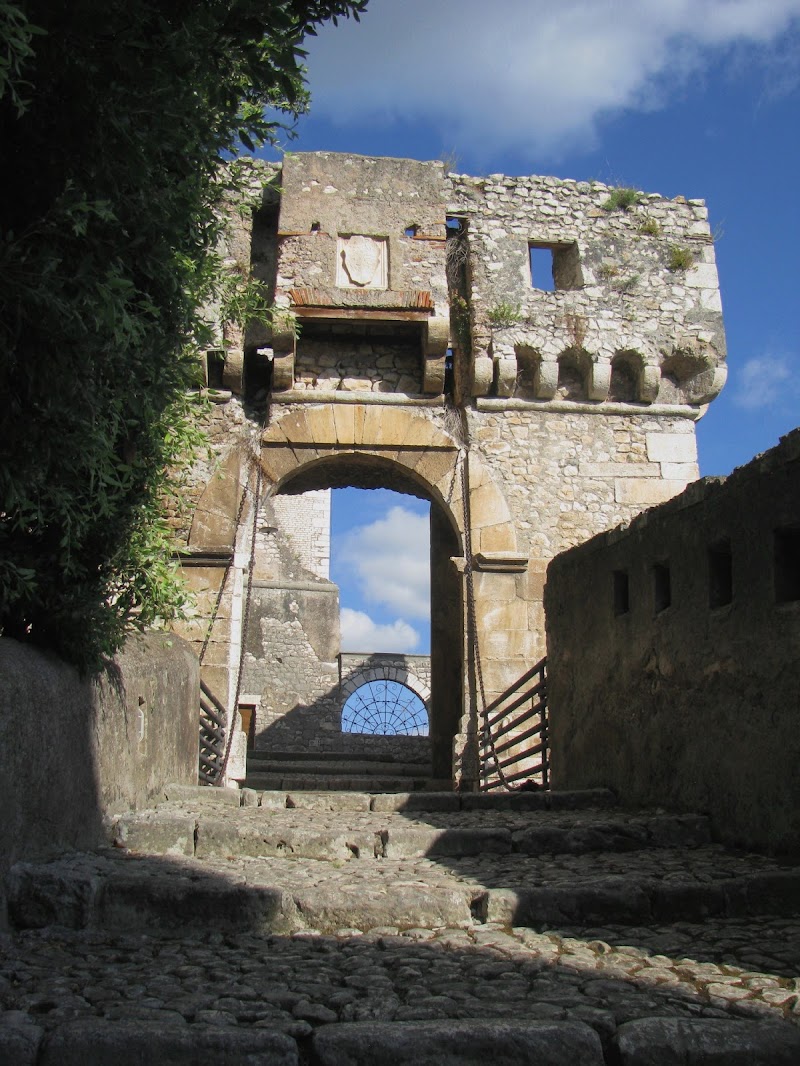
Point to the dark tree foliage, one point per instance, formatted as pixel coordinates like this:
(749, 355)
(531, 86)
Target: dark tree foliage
(114, 116)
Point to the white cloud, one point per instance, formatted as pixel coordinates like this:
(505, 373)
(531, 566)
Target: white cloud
(765, 381)
(360, 633)
(391, 560)
(525, 72)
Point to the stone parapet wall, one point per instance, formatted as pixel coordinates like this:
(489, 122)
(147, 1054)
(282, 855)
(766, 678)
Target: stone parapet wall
(79, 750)
(634, 314)
(673, 649)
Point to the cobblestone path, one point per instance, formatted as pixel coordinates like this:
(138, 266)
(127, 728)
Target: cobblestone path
(333, 929)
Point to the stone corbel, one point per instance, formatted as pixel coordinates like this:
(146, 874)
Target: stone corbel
(233, 370)
(649, 382)
(435, 340)
(545, 380)
(501, 562)
(707, 385)
(482, 375)
(284, 345)
(505, 369)
(599, 382)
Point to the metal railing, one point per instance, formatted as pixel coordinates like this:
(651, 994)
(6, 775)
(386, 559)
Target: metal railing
(213, 724)
(515, 754)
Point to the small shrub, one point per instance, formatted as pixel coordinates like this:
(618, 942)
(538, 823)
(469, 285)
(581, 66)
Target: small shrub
(504, 314)
(650, 228)
(628, 284)
(680, 258)
(622, 199)
(607, 271)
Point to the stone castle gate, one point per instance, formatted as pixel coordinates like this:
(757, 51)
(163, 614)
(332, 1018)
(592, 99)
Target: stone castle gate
(417, 346)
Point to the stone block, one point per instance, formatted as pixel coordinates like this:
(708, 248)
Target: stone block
(680, 471)
(468, 1042)
(530, 584)
(672, 447)
(96, 1043)
(322, 424)
(497, 538)
(706, 1042)
(499, 618)
(482, 375)
(163, 835)
(19, 1041)
(416, 801)
(645, 492)
(344, 418)
(487, 506)
(619, 470)
(439, 468)
(702, 276)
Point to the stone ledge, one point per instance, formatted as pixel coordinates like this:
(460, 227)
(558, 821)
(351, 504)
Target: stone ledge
(382, 399)
(660, 410)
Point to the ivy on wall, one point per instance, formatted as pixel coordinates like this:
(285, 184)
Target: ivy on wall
(114, 117)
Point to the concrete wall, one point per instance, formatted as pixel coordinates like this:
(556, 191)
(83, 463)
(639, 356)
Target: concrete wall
(76, 750)
(691, 704)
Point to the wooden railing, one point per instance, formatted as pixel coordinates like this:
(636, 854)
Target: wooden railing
(514, 745)
(213, 724)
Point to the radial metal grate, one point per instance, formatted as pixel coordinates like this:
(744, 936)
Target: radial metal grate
(385, 708)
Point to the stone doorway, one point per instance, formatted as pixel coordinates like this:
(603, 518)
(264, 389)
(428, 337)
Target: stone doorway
(293, 666)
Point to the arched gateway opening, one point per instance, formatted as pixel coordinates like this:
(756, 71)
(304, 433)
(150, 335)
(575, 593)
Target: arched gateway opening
(305, 708)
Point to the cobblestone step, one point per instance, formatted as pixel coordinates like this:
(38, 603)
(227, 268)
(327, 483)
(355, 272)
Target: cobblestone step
(339, 768)
(116, 889)
(258, 832)
(328, 780)
(440, 927)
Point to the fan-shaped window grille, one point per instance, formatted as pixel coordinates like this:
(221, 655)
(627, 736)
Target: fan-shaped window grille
(386, 708)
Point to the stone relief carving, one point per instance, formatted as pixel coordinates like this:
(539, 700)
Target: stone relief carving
(361, 263)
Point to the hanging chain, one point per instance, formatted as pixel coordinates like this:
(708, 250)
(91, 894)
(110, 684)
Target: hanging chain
(245, 617)
(224, 581)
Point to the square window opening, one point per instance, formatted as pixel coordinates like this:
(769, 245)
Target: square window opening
(787, 564)
(622, 603)
(554, 266)
(662, 587)
(720, 574)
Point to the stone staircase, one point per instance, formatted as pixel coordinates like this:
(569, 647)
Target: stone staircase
(367, 771)
(418, 927)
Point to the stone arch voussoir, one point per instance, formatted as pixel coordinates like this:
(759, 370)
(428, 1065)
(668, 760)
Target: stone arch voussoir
(431, 457)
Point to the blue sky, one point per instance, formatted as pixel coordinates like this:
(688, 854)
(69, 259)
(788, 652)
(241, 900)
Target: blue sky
(698, 98)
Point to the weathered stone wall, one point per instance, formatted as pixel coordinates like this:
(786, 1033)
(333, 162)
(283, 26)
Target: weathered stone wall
(78, 750)
(634, 314)
(424, 333)
(674, 651)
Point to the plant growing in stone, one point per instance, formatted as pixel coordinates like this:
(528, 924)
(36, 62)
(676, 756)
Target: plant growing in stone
(607, 271)
(504, 314)
(627, 284)
(621, 198)
(649, 228)
(680, 258)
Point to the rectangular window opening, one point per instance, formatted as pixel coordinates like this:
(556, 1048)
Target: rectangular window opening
(622, 602)
(662, 589)
(787, 564)
(215, 365)
(720, 574)
(555, 266)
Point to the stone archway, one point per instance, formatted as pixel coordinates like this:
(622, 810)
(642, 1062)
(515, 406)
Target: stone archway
(366, 445)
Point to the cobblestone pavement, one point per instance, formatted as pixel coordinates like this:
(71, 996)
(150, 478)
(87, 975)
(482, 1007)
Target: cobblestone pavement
(462, 968)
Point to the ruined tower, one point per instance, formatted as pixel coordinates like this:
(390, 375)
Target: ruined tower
(528, 354)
